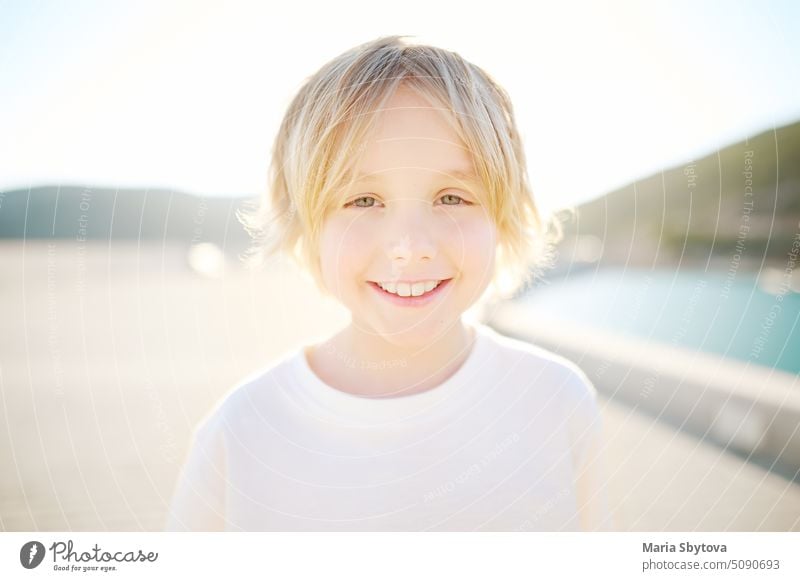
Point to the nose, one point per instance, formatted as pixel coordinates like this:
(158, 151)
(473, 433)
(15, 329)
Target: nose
(409, 235)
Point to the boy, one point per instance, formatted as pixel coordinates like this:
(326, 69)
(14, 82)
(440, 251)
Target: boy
(398, 182)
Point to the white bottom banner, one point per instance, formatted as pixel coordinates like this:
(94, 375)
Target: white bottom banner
(353, 556)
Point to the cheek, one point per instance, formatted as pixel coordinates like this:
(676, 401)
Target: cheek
(473, 240)
(343, 247)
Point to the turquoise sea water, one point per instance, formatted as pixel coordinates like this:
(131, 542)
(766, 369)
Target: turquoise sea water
(717, 313)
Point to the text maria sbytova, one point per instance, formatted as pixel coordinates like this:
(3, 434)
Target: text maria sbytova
(683, 548)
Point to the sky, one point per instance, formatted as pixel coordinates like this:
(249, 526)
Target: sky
(189, 95)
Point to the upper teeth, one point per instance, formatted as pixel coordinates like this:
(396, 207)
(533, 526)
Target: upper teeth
(405, 289)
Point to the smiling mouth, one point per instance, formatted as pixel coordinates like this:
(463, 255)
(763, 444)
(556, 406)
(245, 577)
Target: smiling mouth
(411, 293)
(410, 289)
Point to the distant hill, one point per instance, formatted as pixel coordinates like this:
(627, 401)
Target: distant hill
(701, 211)
(104, 214)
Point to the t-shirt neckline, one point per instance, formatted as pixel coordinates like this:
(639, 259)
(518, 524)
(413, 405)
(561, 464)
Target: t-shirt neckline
(344, 405)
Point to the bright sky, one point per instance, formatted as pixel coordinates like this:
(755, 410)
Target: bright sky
(188, 95)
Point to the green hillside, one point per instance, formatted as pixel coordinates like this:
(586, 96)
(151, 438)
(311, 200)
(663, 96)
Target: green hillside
(741, 203)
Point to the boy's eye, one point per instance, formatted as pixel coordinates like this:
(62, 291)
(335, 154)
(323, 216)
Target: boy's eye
(452, 200)
(369, 202)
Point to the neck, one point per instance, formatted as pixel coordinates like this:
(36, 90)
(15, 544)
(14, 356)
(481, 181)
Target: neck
(366, 364)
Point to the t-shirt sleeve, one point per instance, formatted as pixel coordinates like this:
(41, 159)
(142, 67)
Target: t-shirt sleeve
(591, 482)
(198, 503)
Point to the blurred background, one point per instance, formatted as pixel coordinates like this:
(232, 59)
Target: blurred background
(131, 132)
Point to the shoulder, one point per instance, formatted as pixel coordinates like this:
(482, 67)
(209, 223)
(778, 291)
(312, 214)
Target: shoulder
(251, 395)
(558, 392)
(532, 363)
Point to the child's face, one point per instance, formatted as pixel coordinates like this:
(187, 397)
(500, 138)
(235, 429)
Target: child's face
(411, 218)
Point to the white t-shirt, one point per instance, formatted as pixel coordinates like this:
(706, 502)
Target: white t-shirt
(509, 442)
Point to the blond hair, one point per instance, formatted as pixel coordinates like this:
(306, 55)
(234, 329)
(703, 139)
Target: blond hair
(325, 128)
